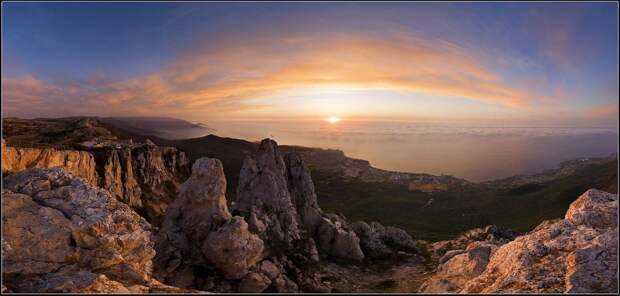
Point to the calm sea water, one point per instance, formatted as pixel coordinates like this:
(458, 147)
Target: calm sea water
(476, 153)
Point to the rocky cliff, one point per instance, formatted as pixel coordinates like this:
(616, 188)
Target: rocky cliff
(277, 197)
(199, 231)
(274, 240)
(144, 176)
(92, 242)
(576, 254)
(78, 163)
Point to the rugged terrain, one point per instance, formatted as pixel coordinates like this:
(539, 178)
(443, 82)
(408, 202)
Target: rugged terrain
(444, 206)
(123, 213)
(577, 254)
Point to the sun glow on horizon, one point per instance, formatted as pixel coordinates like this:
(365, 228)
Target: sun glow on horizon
(333, 119)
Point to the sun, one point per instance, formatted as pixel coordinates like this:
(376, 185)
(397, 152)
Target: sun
(332, 119)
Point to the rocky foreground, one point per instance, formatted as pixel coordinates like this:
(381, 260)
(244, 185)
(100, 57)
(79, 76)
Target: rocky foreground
(133, 219)
(577, 254)
(62, 233)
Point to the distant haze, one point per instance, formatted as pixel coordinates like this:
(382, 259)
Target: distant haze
(473, 153)
(164, 127)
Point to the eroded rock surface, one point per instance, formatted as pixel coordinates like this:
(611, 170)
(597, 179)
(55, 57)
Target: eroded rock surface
(263, 198)
(576, 254)
(93, 242)
(378, 241)
(146, 177)
(199, 231)
(78, 163)
(277, 197)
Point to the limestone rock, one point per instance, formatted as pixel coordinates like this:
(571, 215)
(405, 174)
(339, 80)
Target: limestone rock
(576, 254)
(233, 249)
(302, 192)
(338, 241)
(23, 251)
(285, 285)
(269, 269)
(159, 171)
(198, 230)
(263, 192)
(459, 266)
(146, 177)
(116, 175)
(378, 241)
(491, 234)
(254, 283)
(277, 196)
(595, 208)
(84, 226)
(72, 280)
(78, 163)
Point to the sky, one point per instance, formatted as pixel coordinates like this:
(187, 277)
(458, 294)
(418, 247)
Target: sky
(484, 63)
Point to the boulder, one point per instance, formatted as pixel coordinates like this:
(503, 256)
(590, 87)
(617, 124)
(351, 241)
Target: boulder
(285, 285)
(199, 231)
(254, 283)
(334, 239)
(233, 249)
(458, 266)
(86, 230)
(378, 241)
(577, 254)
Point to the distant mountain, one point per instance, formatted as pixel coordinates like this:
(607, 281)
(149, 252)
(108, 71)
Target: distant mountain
(165, 127)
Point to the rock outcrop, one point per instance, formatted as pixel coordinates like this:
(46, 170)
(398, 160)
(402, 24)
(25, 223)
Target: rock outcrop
(159, 171)
(115, 169)
(199, 231)
(577, 254)
(491, 234)
(380, 242)
(263, 198)
(93, 243)
(146, 177)
(78, 163)
(276, 195)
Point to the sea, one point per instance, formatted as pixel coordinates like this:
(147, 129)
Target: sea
(474, 153)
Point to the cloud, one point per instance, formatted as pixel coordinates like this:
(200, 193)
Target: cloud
(219, 76)
(603, 112)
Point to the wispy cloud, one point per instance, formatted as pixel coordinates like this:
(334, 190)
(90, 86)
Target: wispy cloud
(223, 72)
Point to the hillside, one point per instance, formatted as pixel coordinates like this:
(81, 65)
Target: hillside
(428, 207)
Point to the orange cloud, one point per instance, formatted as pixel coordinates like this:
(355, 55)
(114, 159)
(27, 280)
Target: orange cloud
(219, 76)
(606, 111)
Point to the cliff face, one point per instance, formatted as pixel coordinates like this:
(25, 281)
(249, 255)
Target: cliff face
(274, 240)
(78, 163)
(92, 242)
(576, 254)
(145, 177)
